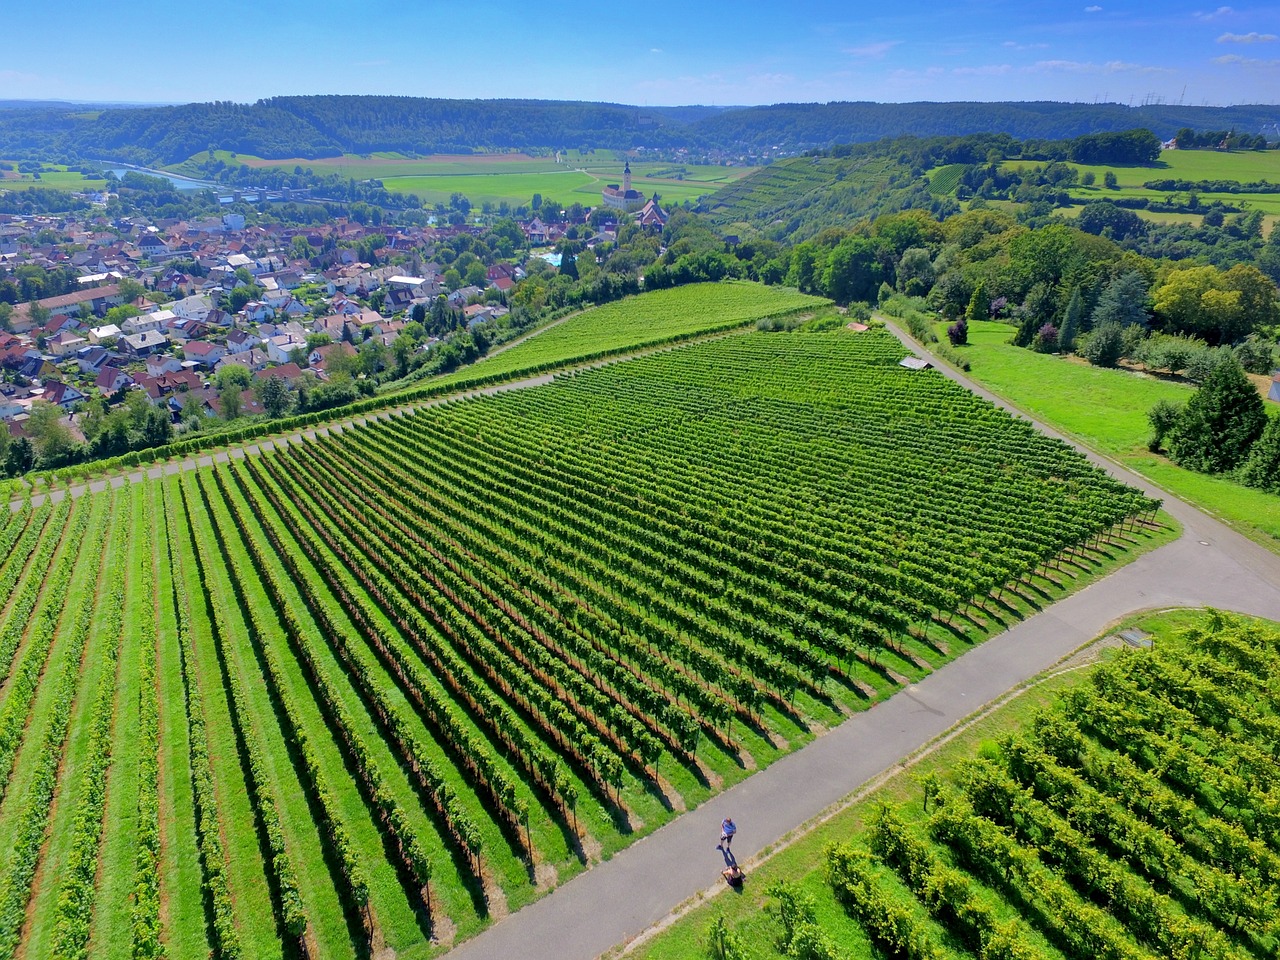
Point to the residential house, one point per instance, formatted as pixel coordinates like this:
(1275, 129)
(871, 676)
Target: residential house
(142, 344)
(61, 394)
(160, 364)
(287, 372)
(460, 296)
(148, 322)
(204, 352)
(196, 307)
(64, 343)
(112, 380)
(252, 360)
(91, 360)
(255, 311)
(334, 325)
(358, 323)
(280, 347)
(241, 341)
(97, 299)
(319, 358)
(108, 331)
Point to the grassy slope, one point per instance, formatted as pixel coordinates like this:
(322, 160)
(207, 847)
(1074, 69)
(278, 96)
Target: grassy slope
(640, 320)
(1107, 410)
(802, 862)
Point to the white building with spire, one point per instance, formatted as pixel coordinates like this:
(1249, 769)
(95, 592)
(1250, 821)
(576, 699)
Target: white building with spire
(624, 198)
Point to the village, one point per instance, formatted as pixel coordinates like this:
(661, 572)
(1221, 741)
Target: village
(166, 308)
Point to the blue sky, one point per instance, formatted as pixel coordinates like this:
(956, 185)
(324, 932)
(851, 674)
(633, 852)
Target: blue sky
(748, 52)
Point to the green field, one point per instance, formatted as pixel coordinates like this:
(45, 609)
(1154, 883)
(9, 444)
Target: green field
(1129, 877)
(645, 320)
(378, 688)
(513, 178)
(1248, 166)
(1106, 409)
(59, 178)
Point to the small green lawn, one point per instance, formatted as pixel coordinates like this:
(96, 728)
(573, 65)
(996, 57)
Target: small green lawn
(1107, 409)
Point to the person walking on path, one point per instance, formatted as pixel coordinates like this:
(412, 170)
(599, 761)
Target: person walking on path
(727, 829)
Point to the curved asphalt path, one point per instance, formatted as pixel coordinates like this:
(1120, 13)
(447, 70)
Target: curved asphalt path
(614, 902)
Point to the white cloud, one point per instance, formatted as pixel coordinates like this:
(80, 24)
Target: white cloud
(1220, 12)
(872, 51)
(1245, 61)
(1093, 9)
(1014, 45)
(1253, 37)
(655, 49)
(989, 70)
(1076, 66)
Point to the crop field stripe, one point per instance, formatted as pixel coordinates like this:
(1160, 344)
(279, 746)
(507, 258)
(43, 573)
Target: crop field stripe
(22, 536)
(44, 624)
(184, 935)
(303, 723)
(304, 894)
(461, 728)
(439, 783)
(246, 872)
(24, 578)
(105, 824)
(117, 870)
(48, 821)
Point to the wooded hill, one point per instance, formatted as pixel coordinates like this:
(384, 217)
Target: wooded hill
(319, 126)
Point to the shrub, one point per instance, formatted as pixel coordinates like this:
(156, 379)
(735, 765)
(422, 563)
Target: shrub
(1104, 346)
(1046, 340)
(958, 333)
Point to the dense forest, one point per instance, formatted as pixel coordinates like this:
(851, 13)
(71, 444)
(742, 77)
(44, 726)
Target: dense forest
(319, 126)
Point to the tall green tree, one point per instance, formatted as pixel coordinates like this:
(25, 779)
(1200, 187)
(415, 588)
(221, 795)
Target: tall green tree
(1220, 422)
(1072, 320)
(1124, 301)
(1262, 468)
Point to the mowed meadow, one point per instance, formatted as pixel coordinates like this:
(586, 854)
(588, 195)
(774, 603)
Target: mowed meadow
(378, 688)
(514, 178)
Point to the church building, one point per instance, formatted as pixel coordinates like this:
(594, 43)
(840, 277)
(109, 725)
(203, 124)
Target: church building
(624, 199)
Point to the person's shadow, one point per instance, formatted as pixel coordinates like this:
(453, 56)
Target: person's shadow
(729, 859)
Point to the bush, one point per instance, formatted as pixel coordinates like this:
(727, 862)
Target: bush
(958, 333)
(1046, 340)
(1104, 346)
(1163, 418)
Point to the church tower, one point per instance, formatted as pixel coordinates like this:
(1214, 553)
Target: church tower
(626, 179)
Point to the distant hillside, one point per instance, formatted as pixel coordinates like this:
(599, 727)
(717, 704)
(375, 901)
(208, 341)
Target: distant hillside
(323, 126)
(808, 125)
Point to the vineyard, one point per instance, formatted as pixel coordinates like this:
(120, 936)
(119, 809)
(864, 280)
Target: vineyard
(657, 317)
(1134, 818)
(377, 689)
